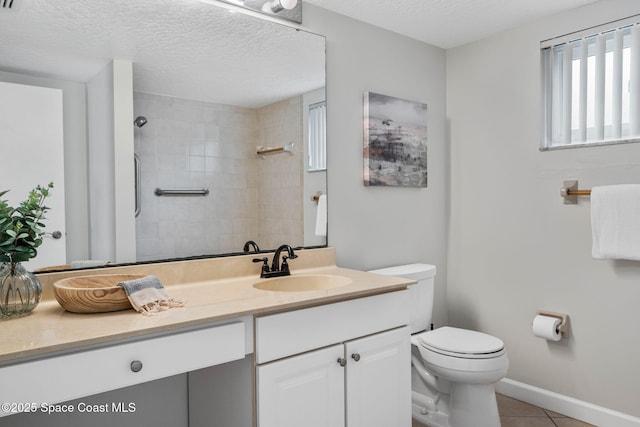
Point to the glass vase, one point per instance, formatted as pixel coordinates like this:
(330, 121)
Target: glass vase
(20, 290)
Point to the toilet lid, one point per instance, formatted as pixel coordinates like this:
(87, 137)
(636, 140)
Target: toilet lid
(461, 343)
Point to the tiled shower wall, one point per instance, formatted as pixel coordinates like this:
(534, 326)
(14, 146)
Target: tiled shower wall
(280, 176)
(192, 145)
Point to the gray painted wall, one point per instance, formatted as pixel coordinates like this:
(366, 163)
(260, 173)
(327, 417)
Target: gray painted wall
(373, 227)
(514, 247)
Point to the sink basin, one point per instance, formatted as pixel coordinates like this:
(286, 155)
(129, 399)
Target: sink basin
(302, 283)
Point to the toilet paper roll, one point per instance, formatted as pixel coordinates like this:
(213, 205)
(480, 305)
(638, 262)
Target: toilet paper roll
(547, 327)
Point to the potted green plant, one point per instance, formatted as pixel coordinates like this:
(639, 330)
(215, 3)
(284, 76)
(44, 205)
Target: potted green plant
(21, 233)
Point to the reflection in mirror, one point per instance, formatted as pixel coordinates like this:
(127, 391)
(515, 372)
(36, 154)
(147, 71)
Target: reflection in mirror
(211, 87)
(199, 145)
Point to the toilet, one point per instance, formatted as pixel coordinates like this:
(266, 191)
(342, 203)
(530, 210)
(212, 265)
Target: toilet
(454, 371)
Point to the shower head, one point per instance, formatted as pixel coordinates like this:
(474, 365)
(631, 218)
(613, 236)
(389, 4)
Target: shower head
(140, 121)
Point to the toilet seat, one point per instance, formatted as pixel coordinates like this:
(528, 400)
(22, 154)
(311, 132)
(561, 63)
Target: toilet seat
(461, 343)
(462, 356)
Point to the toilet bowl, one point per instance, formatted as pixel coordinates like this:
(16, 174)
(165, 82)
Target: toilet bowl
(465, 365)
(454, 370)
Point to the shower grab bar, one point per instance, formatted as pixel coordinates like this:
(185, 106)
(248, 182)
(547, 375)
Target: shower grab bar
(200, 192)
(136, 166)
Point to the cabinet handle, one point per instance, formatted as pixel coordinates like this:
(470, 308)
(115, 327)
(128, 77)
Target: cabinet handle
(136, 366)
(342, 362)
(356, 356)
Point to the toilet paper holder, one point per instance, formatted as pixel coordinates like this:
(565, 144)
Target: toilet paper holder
(563, 327)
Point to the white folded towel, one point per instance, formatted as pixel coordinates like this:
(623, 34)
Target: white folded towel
(615, 222)
(321, 216)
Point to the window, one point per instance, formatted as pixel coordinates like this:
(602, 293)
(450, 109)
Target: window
(317, 137)
(591, 84)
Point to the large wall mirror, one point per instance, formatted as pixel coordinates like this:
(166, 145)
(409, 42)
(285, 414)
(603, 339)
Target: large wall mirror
(210, 90)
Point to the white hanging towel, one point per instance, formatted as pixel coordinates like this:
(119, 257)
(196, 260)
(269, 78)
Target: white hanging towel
(615, 222)
(321, 216)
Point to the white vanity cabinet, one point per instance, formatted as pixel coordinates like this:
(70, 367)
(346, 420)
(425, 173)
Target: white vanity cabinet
(379, 379)
(343, 364)
(70, 376)
(306, 390)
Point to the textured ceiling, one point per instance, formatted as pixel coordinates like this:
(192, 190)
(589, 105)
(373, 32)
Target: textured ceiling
(182, 48)
(195, 50)
(447, 23)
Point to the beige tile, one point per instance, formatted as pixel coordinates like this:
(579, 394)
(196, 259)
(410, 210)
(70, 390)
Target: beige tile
(554, 414)
(515, 413)
(509, 407)
(526, 422)
(570, 422)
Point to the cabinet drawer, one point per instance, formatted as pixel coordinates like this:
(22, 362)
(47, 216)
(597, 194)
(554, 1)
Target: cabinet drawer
(284, 334)
(62, 378)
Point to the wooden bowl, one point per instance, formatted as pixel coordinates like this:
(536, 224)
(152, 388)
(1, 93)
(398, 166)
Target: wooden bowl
(93, 294)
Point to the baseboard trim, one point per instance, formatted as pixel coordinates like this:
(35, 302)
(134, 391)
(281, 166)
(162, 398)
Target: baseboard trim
(574, 408)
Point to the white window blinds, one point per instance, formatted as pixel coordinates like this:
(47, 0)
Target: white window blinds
(591, 84)
(317, 137)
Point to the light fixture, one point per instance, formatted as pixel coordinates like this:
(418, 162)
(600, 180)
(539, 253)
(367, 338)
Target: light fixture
(289, 10)
(276, 6)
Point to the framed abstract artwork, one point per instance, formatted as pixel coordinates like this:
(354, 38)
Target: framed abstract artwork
(395, 141)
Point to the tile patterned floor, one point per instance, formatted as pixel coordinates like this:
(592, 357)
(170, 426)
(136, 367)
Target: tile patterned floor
(514, 413)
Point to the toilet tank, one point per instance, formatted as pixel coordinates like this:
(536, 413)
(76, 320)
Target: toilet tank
(421, 294)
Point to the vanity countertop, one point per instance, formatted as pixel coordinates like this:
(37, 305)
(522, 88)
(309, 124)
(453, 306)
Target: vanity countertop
(222, 293)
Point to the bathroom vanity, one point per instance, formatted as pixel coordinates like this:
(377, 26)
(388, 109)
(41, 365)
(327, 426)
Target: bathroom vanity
(308, 359)
(236, 355)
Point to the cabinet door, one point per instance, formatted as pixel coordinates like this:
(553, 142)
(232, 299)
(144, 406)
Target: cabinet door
(31, 123)
(379, 380)
(305, 390)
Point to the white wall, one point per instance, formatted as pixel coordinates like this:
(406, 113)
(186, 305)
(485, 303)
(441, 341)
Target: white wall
(123, 148)
(100, 158)
(110, 160)
(374, 227)
(513, 246)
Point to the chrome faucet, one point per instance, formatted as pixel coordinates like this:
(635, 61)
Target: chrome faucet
(277, 270)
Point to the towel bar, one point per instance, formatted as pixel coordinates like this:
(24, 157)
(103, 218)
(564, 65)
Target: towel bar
(161, 192)
(570, 192)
